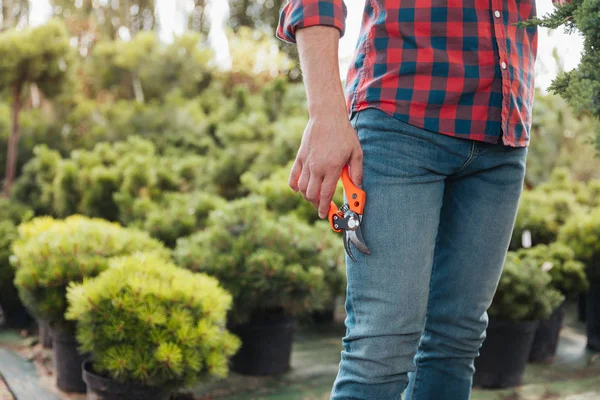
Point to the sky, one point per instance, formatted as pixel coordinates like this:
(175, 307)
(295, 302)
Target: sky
(172, 22)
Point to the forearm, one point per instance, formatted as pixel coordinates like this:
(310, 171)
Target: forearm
(318, 50)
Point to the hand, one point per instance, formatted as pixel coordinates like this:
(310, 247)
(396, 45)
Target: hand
(328, 144)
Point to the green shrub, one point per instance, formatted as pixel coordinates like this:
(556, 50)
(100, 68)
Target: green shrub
(581, 233)
(266, 262)
(50, 254)
(280, 198)
(524, 292)
(11, 214)
(34, 187)
(568, 276)
(536, 215)
(176, 215)
(146, 321)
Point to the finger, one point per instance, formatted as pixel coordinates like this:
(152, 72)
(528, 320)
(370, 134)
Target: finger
(313, 191)
(303, 181)
(328, 187)
(356, 167)
(295, 175)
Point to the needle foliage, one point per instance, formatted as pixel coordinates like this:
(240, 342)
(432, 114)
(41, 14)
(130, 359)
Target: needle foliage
(581, 234)
(524, 292)
(581, 86)
(146, 321)
(568, 275)
(267, 262)
(50, 254)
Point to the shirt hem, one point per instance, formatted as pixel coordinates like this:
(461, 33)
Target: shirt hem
(479, 138)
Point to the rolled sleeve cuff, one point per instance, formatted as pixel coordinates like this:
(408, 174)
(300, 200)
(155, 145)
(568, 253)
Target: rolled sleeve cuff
(298, 14)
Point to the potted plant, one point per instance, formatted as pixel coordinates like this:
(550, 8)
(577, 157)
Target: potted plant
(568, 277)
(582, 234)
(524, 296)
(150, 327)
(273, 267)
(334, 273)
(49, 255)
(281, 200)
(535, 218)
(14, 313)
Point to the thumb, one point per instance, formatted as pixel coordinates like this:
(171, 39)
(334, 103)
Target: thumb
(356, 167)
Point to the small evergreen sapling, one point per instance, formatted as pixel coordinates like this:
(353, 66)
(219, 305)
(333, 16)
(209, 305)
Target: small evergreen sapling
(524, 292)
(581, 233)
(266, 262)
(146, 321)
(568, 276)
(50, 254)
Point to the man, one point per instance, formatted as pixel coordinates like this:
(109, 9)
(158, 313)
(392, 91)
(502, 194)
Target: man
(439, 95)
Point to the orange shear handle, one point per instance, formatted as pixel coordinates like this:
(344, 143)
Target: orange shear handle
(355, 196)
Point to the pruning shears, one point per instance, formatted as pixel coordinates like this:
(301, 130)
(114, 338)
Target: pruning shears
(348, 217)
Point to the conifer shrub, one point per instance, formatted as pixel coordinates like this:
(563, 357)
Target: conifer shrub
(144, 320)
(581, 233)
(280, 198)
(176, 215)
(11, 215)
(267, 262)
(536, 215)
(524, 292)
(50, 254)
(568, 275)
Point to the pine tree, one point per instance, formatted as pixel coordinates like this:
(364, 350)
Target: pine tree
(581, 86)
(40, 56)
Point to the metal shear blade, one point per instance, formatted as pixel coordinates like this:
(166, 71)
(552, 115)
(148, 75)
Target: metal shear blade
(355, 237)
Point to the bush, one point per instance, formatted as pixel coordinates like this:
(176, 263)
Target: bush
(280, 198)
(144, 320)
(50, 254)
(266, 262)
(535, 214)
(568, 275)
(176, 215)
(11, 214)
(524, 292)
(581, 233)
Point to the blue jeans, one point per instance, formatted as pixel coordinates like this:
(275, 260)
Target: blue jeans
(438, 219)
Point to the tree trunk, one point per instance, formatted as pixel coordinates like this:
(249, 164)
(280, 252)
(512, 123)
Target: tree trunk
(138, 90)
(6, 14)
(13, 141)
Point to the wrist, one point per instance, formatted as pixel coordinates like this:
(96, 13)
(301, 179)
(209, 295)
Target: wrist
(327, 110)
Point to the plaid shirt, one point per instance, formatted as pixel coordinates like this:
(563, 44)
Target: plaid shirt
(458, 67)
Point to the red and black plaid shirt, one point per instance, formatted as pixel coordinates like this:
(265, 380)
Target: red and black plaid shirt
(458, 67)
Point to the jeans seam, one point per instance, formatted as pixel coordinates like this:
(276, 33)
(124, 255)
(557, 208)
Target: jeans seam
(469, 159)
(433, 265)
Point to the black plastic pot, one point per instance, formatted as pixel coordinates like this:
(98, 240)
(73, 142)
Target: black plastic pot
(582, 307)
(504, 353)
(101, 388)
(546, 337)
(44, 334)
(323, 317)
(266, 344)
(67, 361)
(593, 316)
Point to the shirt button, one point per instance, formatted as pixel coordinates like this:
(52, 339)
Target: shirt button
(503, 65)
(497, 14)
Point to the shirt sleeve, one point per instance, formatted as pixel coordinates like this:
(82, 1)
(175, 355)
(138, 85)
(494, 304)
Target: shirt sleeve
(297, 14)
